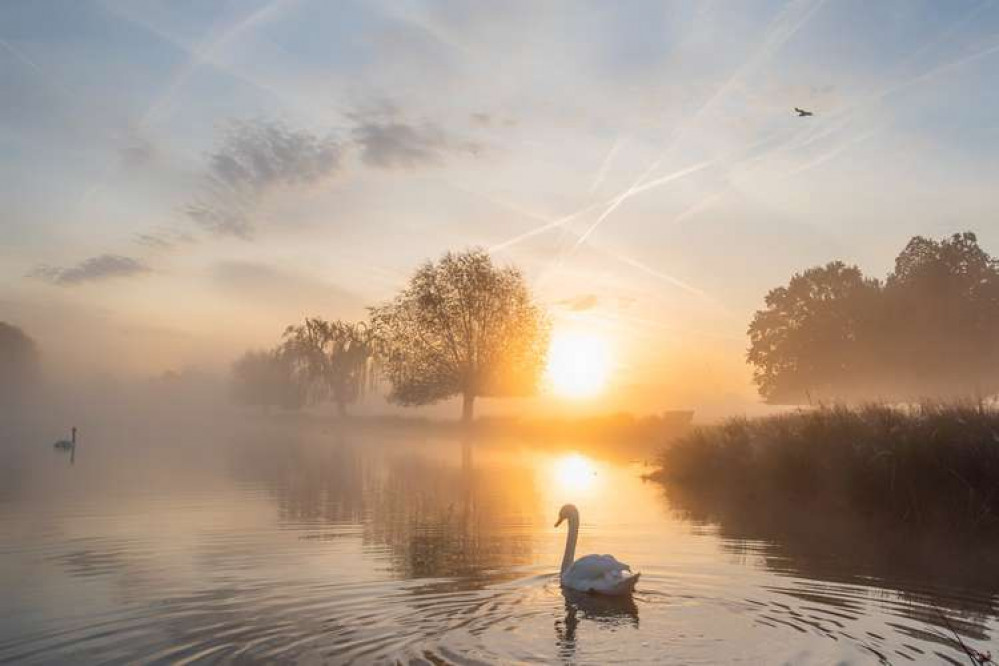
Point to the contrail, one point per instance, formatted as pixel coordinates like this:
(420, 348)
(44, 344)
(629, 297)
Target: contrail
(831, 154)
(207, 54)
(936, 71)
(662, 180)
(666, 277)
(635, 189)
(46, 77)
(20, 56)
(776, 38)
(774, 41)
(605, 165)
(551, 224)
(197, 58)
(634, 263)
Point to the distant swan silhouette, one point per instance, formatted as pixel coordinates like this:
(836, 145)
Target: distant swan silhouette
(67, 443)
(597, 574)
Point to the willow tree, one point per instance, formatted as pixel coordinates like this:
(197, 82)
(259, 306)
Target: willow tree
(332, 359)
(462, 326)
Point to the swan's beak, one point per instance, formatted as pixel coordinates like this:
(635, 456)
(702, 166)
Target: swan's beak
(559, 522)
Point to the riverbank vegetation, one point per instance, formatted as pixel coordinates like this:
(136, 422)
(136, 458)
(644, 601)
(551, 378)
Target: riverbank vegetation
(927, 466)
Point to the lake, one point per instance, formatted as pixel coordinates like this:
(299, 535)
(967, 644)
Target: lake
(267, 543)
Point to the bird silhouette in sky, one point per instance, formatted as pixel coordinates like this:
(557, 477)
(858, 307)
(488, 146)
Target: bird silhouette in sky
(802, 113)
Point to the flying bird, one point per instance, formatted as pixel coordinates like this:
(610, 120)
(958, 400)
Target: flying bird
(802, 113)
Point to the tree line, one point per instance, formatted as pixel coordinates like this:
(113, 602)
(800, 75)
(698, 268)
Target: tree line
(462, 326)
(929, 329)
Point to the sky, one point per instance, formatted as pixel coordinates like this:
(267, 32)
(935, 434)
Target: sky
(184, 179)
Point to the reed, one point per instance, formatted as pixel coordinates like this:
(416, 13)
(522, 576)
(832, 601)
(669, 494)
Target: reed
(925, 465)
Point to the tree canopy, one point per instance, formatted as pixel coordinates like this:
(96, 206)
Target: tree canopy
(461, 326)
(331, 359)
(930, 329)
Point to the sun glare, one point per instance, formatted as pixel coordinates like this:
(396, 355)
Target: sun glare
(574, 473)
(578, 364)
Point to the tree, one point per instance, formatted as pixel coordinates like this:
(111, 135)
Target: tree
(931, 329)
(331, 358)
(265, 379)
(462, 326)
(809, 342)
(943, 297)
(19, 366)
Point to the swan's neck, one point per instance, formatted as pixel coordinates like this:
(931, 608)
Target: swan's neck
(570, 543)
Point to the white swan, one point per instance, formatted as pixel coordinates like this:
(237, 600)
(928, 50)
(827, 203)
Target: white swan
(597, 574)
(67, 443)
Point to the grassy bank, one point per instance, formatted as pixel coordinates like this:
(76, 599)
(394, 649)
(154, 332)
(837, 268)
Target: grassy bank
(928, 466)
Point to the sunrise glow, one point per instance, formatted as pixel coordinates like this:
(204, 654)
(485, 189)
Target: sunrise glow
(579, 364)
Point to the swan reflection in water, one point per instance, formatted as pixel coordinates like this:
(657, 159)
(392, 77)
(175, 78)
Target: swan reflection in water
(606, 611)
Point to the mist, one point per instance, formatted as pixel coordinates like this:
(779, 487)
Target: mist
(448, 332)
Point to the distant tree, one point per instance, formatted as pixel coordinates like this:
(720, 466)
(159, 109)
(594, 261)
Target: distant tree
(809, 342)
(943, 300)
(462, 326)
(266, 379)
(930, 330)
(19, 366)
(333, 359)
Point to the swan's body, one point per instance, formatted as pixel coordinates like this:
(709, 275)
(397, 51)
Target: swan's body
(597, 574)
(67, 443)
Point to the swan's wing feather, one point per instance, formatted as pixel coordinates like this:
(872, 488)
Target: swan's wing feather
(602, 574)
(592, 567)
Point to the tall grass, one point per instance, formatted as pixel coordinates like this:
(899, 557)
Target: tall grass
(928, 465)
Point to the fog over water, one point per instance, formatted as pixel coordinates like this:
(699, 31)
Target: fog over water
(314, 316)
(252, 539)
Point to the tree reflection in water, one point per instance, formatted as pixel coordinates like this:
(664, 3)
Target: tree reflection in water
(441, 521)
(829, 552)
(424, 504)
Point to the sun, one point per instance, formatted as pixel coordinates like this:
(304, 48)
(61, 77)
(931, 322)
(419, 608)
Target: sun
(578, 364)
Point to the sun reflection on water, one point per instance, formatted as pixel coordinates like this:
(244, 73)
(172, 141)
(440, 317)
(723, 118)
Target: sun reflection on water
(575, 473)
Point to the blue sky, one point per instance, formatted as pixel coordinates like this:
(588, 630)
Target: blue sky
(640, 158)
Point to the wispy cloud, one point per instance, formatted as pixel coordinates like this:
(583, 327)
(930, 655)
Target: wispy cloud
(253, 160)
(163, 239)
(94, 269)
(256, 156)
(396, 144)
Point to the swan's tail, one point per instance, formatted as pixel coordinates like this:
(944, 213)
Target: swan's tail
(624, 586)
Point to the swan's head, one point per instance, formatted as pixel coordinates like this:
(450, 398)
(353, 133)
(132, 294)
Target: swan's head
(567, 512)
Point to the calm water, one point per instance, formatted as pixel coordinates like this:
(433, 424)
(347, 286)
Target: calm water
(250, 544)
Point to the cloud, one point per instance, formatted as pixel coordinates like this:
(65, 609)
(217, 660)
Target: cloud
(222, 219)
(579, 303)
(162, 239)
(257, 156)
(388, 144)
(94, 269)
(255, 159)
